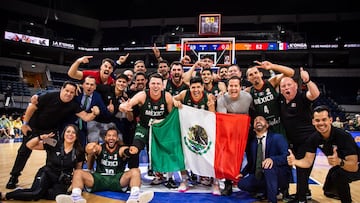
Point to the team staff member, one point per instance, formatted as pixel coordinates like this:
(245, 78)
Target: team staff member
(48, 115)
(295, 108)
(61, 159)
(342, 153)
(234, 101)
(274, 166)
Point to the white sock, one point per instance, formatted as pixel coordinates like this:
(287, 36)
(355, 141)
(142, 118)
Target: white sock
(134, 190)
(76, 191)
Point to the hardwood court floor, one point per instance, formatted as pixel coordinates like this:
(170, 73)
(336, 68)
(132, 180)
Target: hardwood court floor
(8, 153)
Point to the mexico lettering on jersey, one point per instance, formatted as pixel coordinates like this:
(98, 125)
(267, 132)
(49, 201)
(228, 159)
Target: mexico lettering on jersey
(266, 104)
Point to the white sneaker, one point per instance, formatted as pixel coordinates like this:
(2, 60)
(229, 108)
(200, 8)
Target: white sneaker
(142, 197)
(216, 190)
(70, 199)
(184, 186)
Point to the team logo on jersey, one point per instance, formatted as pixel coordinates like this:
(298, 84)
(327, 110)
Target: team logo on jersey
(197, 140)
(267, 91)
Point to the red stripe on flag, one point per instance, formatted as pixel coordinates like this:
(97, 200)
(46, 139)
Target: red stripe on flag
(231, 138)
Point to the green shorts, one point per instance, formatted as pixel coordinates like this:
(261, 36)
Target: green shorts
(107, 182)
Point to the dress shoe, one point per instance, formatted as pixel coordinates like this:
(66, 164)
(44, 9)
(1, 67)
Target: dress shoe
(227, 191)
(12, 182)
(332, 195)
(308, 195)
(296, 201)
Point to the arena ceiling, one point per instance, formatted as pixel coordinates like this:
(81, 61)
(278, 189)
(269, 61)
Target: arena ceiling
(137, 9)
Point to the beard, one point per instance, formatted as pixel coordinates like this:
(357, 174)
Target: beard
(111, 145)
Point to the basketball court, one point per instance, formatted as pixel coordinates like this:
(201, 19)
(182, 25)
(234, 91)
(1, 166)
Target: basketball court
(197, 193)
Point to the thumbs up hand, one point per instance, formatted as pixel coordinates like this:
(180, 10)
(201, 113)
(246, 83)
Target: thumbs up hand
(291, 158)
(333, 159)
(111, 107)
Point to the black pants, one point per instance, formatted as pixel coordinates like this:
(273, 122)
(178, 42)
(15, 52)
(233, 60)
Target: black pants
(302, 174)
(45, 186)
(337, 182)
(127, 129)
(24, 152)
(21, 157)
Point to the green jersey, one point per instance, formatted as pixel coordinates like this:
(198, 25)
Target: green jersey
(152, 109)
(214, 90)
(174, 89)
(266, 104)
(109, 163)
(201, 104)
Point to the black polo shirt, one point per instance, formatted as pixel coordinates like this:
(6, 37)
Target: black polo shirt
(52, 112)
(345, 143)
(296, 118)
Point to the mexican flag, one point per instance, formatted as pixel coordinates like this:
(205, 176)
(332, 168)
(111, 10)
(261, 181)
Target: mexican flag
(213, 144)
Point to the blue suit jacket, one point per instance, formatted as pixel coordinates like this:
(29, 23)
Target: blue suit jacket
(276, 149)
(96, 100)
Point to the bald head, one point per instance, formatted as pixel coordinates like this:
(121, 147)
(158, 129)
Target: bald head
(288, 88)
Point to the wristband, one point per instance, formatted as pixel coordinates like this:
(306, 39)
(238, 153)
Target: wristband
(25, 123)
(127, 152)
(305, 83)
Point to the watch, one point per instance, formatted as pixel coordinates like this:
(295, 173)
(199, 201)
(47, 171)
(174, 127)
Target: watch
(342, 163)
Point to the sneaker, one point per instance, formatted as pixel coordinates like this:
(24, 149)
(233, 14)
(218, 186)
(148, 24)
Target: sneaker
(205, 181)
(70, 199)
(171, 184)
(194, 177)
(150, 172)
(141, 197)
(157, 180)
(184, 186)
(12, 182)
(216, 190)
